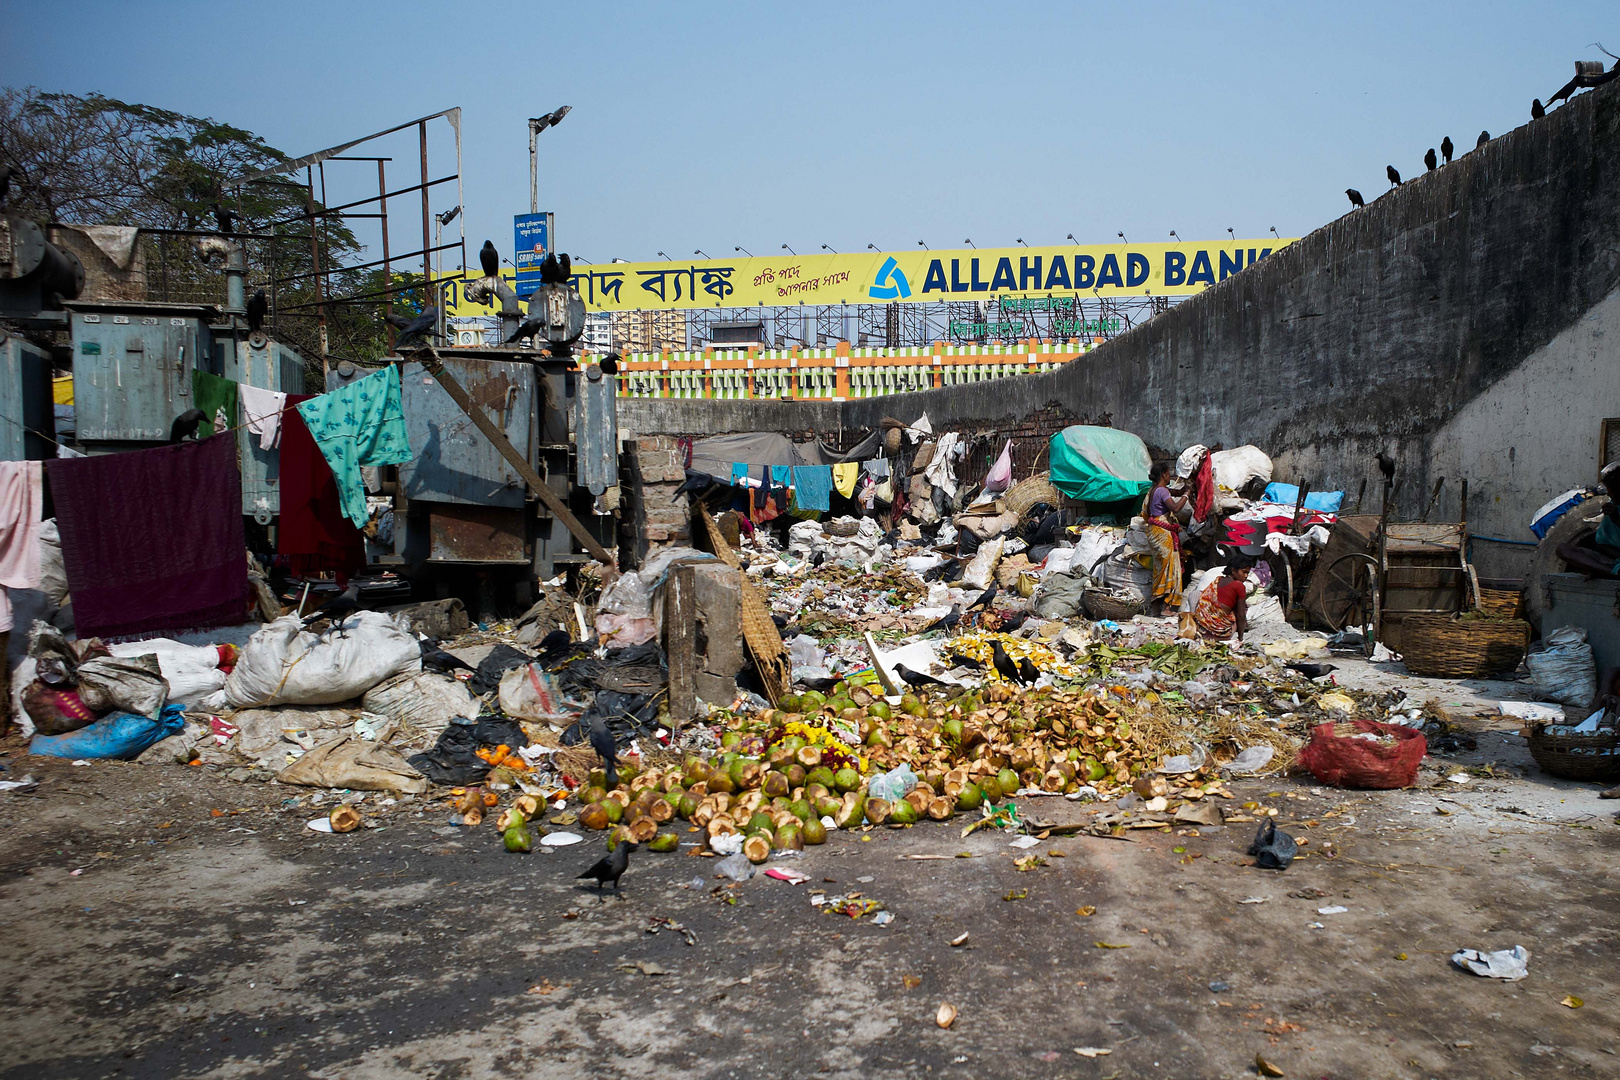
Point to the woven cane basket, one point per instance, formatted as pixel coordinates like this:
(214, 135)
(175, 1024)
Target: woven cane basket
(1027, 492)
(1502, 603)
(1447, 647)
(1102, 605)
(1577, 757)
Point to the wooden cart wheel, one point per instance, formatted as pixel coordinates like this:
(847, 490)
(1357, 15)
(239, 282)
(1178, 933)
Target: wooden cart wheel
(1353, 582)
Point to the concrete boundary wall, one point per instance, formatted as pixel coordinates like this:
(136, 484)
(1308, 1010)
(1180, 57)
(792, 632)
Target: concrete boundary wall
(1464, 320)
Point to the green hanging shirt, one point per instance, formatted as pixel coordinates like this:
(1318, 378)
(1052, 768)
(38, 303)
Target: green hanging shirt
(361, 424)
(213, 395)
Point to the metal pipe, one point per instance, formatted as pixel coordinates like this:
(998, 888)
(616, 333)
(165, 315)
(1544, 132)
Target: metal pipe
(315, 266)
(388, 301)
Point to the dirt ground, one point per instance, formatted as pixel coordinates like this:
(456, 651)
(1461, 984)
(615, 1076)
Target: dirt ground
(163, 921)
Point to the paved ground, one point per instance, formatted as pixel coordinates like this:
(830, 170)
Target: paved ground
(142, 935)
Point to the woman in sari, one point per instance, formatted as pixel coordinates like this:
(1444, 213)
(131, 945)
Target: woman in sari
(1164, 535)
(1223, 605)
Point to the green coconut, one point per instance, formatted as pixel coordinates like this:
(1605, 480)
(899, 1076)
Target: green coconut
(1007, 781)
(820, 775)
(814, 832)
(902, 813)
(664, 842)
(969, 798)
(846, 779)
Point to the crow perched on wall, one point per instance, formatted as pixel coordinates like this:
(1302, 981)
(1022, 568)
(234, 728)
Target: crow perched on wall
(1446, 148)
(1394, 177)
(1430, 161)
(185, 425)
(1355, 198)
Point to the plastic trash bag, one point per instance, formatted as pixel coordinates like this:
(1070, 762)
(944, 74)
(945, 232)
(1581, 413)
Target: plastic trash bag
(530, 692)
(1272, 849)
(735, 866)
(1251, 760)
(285, 664)
(893, 785)
(118, 735)
(999, 478)
(1563, 670)
(1509, 965)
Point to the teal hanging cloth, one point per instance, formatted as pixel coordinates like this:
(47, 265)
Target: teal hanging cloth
(361, 424)
(813, 483)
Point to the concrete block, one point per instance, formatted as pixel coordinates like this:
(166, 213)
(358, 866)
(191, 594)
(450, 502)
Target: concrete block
(715, 689)
(719, 612)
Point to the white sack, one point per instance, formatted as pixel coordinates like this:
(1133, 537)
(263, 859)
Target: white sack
(286, 664)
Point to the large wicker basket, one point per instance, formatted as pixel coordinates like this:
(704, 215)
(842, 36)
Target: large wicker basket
(1029, 491)
(1502, 603)
(1452, 648)
(1577, 757)
(1099, 604)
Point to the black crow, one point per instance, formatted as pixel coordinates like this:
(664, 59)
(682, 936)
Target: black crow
(916, 678)
(791, 630)
(1430, 161)
(555, 269)
(224, 218)
(1355, 197)
(1028, 673)
(1046, 532)
(489, 259)
(958, 660)
(819, 685)
(423, 324)
(337, 609)
(779, 620)
(984, 599)
(438, 660)
(529, 327)
(1003, 663)
(947, 622)
(1394, 177)
(1386, 464)
(818, 558)
(557, 639)
(611, 867)
(185, 425)
(1536, 111)
(602, 742)
(943, 571)
(1484, 137)
(565, 269)
(1446, 148)
(610, 363)
(1310, 669)
(257, 305)
(696, 481)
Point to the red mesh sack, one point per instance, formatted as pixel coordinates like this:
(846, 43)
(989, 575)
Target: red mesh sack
(1337, 758)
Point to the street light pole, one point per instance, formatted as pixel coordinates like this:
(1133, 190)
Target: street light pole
(537, 124)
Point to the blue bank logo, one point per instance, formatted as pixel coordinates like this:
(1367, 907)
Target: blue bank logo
(882, 289)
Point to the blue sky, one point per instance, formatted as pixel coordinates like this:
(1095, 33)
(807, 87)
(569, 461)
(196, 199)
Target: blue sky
(708, 126)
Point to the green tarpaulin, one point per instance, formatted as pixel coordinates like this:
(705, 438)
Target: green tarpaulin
(1099, 464)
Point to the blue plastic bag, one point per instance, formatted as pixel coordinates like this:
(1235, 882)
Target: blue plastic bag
(1322, 502)
(116, 735)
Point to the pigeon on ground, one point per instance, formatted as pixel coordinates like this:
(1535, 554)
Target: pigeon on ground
(916, 678)
(257, 306)
(185, 425)
(337, 609)
(611, 867)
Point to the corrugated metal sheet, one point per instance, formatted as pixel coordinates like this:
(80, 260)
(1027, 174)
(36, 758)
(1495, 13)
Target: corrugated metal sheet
(269, 365)
(132, 372)
(25, 400)
(454, 462)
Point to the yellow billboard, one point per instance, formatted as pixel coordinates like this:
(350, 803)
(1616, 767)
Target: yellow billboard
(876, 277)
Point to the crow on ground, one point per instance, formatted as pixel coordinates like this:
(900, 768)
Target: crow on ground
(984, 599)
(1446, 148)
(1430, 161)
(337, 609)
(489, 259)
(610, 867)
(1003, 663)
(602, 742)
(1355, 197)
(916, 678)
(1310, 669)
(1394, 177)
(1028, 673)
(958, 660)
(946, 622)
(185, 425)
(438, 660)
(257, 306)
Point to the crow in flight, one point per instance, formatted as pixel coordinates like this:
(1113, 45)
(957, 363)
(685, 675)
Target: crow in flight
(1355, 197)
(1394, 177)
(1446, 148)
